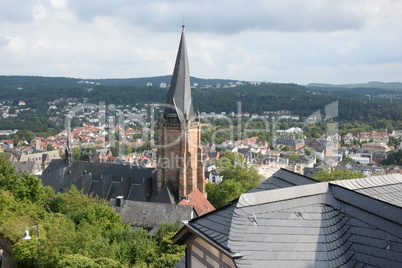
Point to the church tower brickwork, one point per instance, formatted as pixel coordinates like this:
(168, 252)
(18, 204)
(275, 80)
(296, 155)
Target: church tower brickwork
(179, 153)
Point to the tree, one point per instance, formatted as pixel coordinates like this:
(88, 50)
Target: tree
(348, 159)
(294, 157)
(286, 148)
(337, 174)
(24, 187)
(80, 261)
(50, 147)
(238, 178)
(168, 253)
(394, 158)
(76, 230)
(394, 142)
(77, 152)
(224, 192)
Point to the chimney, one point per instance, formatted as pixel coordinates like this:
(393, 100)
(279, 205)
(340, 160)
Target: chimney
(119, 201)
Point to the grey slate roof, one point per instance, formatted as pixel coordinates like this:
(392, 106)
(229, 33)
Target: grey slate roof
(179, 101)
(105, 180)
(302, 223)
(26, 167)
(151, 215)
(281, 179)
(385, 188)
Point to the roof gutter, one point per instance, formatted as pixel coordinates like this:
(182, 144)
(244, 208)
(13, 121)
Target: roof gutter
(187, 230)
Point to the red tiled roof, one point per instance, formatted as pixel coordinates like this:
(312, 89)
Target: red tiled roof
(199, 202)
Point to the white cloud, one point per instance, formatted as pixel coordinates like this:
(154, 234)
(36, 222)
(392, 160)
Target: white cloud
(17, 46)
(4, 41)
(58, 4)
(284, 41)
(39, 12)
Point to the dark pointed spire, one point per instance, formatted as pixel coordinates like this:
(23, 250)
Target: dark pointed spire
(179, 101)
(67, 153)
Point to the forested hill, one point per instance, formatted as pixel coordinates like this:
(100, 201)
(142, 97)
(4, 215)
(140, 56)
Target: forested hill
(375, 88)
(300, 100)
(32, 81)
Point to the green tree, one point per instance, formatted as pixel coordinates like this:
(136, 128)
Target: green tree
(168, 253)
(221, 194)
(76, 230)
(348, 159)
(79, 261)
(337, 174)
(294, 157)
(394, 158)
(77, 152)
(394, 142)
(50, 147)
(24, 187)
(238, 178)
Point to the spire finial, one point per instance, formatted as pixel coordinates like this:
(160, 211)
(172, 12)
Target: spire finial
(183, 17)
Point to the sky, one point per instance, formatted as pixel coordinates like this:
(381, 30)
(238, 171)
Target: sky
(287, 41)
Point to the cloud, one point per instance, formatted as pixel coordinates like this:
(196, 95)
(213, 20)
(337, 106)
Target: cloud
(16, 10)
(4, 41)
(283, 41)
(230, 16)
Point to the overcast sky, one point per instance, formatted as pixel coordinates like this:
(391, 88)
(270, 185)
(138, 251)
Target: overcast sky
(292, 41)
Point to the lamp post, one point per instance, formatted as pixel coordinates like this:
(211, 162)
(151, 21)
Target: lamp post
(28, 237)
(1, 257)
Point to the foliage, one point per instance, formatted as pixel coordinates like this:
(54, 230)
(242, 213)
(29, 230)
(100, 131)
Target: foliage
(238, 178)
(337, 174)
(24, 187)
(81, 154)
(394, 142)
(79, 261)
(294, 157)
(355, 110)
(221, 194)
(76, 230)
(50, 147)
(348, 159)
(394, 158)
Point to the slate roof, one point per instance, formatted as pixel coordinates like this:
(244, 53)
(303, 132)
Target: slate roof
(151, 215)
(179, 101)
(292, 221)
(281, 179)
(385, 188)
(105, 180)
(27, 167)
(291, 142)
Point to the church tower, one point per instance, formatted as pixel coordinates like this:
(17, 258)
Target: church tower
(179, 153)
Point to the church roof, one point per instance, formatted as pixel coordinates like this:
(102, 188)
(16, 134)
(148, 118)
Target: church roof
(179, 101)
(105, 180)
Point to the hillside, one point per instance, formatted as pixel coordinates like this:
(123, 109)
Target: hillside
(372, 88)
(39, 92)
(31, 81)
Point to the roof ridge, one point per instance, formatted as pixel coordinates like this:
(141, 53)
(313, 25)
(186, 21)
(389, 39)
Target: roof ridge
(275, 195)
(375, 181)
